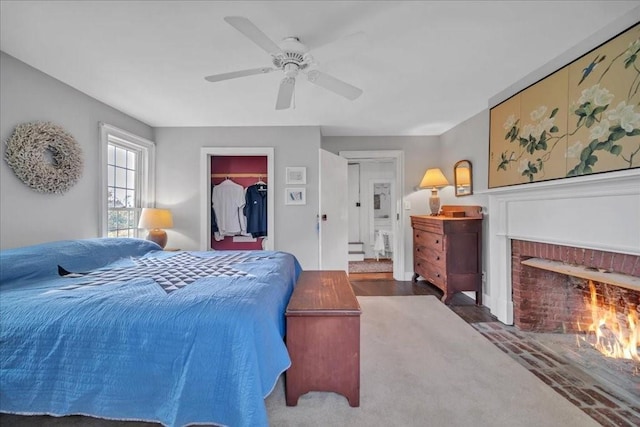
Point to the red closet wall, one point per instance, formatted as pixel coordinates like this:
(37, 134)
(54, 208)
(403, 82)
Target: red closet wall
(229, 165)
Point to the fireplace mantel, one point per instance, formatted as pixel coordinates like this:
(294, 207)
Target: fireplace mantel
(600, 211)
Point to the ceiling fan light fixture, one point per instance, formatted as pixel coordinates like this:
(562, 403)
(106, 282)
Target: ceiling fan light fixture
(290, 70)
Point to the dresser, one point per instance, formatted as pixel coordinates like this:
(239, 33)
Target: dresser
(447, 250)
(323, 337)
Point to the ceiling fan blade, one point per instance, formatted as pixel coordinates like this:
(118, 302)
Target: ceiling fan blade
(333, 84)
(285, 93)
(247, 28)
(236, 74)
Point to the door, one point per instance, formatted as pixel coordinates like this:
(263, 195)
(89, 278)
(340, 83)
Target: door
(333, 219)
(354, 202)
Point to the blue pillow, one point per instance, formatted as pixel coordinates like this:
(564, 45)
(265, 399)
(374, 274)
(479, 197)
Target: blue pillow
(74, 255)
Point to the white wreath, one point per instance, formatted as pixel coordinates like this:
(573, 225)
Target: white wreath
(45, 157)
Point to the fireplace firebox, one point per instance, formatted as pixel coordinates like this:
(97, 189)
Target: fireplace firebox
(548, 301)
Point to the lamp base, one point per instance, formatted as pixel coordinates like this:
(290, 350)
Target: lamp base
(434, 202)
(158, 236)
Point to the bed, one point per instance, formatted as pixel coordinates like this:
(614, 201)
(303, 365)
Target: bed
(119, 329)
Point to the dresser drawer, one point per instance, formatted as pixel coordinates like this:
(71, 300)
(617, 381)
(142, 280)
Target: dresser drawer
(431, 273)
(428, 224)
(432, 241)
(430, 255)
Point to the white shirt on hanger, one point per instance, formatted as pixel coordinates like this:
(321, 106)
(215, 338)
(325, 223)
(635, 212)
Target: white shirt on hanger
(227, 199)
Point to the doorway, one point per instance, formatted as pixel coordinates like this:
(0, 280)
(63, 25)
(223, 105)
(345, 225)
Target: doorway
(376, 242)
(207, 175)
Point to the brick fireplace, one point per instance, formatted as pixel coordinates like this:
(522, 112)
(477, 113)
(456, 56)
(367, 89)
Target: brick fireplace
(548, 301)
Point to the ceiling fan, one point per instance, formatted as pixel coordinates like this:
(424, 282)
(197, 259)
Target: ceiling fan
(292, 57)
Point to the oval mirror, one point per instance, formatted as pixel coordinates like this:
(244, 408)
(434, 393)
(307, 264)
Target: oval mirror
(463, 178)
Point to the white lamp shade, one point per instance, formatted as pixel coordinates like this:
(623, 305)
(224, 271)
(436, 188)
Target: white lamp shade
(152, 218)
(433, 178)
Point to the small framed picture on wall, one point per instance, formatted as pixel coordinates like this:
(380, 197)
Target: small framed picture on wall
(295, 196)
(297, 175)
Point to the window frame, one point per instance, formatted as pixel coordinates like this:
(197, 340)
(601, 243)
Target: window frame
(145, 176)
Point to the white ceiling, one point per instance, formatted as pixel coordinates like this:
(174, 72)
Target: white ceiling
(426, 65)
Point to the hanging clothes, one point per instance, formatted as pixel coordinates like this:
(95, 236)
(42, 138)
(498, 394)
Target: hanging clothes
(227, 199)
(255, 209)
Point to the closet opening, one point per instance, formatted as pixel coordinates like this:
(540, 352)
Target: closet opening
(236, 199)
(238, 202)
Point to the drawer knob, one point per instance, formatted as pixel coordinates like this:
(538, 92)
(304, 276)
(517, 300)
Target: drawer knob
(437, 241)
(437, 258)
(437, 274)
(417, 249)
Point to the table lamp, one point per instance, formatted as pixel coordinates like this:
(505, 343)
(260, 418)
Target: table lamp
(155, 220)
(434, 178)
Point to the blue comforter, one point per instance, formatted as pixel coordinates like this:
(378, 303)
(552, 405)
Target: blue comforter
(116, 328)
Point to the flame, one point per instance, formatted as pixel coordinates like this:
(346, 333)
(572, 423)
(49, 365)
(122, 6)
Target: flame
(613, 338)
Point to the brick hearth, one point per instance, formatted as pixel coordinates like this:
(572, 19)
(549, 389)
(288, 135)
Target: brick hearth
(546, 301)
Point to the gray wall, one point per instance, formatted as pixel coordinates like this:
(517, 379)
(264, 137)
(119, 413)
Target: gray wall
(26, 216)
(469, 141)
(178, 180)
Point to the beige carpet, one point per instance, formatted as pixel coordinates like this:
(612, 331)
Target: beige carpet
(422, 365)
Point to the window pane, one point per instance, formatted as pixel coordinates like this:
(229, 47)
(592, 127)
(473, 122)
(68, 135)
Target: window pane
(131, 179)
(121, 157)
(111, 198)
(133, 224)
(112, 220)
(131, 160)
(121, 196)
(111, 176)
(111, 154)
(131, 198)
(121, 178)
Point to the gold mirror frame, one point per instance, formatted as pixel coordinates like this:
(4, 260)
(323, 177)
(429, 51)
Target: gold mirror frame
(463, 181)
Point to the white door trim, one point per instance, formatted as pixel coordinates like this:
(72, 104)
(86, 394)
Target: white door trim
(205, 189)
(398, 230)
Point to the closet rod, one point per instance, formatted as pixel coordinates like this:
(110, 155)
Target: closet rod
(238, 175)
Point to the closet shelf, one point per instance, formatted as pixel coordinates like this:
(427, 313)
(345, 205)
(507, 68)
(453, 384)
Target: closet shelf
(238, 175)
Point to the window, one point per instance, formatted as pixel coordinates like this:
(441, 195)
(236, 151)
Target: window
(127, 181)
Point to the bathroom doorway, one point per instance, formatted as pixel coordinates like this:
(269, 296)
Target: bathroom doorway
(374, 213)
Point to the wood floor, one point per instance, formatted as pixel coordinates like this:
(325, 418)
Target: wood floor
(382, 284)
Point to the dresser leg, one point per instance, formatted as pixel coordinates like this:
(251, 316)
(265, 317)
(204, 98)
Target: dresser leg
(415, 277)
(446, 297)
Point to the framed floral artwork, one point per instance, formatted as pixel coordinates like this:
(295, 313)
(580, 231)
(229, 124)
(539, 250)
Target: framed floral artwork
(582, 119)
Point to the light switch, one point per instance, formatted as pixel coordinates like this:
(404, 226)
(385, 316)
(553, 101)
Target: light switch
(407, 205)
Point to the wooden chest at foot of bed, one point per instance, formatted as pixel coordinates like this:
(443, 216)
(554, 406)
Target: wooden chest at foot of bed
(323, 337)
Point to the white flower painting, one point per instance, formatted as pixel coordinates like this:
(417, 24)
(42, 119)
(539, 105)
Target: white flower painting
(594, 128)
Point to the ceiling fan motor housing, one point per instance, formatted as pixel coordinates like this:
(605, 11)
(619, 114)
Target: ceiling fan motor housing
(293, 57)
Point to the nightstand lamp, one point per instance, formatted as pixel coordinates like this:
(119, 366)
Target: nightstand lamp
(155, 220)
(434, 178)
